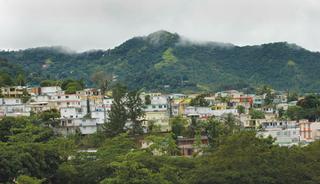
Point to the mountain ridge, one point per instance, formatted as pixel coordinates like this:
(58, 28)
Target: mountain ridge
(163, 59)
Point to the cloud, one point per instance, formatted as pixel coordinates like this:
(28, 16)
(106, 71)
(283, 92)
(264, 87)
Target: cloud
(103, 24)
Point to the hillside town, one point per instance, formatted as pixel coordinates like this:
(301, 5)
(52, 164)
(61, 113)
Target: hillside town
(86, 111)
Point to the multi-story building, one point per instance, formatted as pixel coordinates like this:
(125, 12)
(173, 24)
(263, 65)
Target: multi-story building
(13, 91)
(13, 107)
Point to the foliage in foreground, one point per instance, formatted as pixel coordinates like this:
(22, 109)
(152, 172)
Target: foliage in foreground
(234, 157)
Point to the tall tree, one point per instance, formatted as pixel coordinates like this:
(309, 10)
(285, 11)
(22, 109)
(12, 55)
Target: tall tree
(135, 113)
(118, 114)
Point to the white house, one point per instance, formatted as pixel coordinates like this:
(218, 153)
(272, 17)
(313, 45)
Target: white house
(50, 90)
(13, 107)
(83, 125)
(283, 136)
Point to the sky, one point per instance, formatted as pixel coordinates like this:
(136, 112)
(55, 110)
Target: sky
(102, 24)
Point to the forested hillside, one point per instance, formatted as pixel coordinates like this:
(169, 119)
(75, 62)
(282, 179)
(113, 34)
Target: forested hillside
(168, 62)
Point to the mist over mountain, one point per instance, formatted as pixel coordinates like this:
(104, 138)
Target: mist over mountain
(169, 62)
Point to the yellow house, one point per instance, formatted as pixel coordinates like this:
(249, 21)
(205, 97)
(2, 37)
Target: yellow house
(219, 106)
(179, 106)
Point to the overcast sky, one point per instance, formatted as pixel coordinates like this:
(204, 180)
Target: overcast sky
(102, 24)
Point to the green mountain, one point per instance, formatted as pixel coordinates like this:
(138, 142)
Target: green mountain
(169, 62)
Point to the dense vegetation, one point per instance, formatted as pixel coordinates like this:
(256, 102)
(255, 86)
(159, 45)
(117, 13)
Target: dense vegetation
(306, 108)
(31, 153)
(167, 62)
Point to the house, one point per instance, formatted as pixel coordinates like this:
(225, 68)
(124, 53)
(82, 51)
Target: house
(280, 98)
(40, 103)
(158, 118)
(258, 101)
(38, 107)
(157, 113)
(268, 109)
(219, 106)
(13, 107)
(229, 93)
(278, 124)
(66, 100)
(50, 90)
(89, 92)
(206, 112)
(309, 131)
(13, 91)
(284, 136)
(243, 100)
(177, 106)
(187, 146)
(72, 112)
(82, 125)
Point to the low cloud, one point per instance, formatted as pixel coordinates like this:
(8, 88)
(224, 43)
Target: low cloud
(102, 24)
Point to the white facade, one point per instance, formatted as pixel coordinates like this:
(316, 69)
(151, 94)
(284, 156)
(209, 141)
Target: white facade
(10, 101)
(71, 126)
(155, 107)
(204, 112)
(50, 90)
(71, 112)
(284, 137)
(13, 107)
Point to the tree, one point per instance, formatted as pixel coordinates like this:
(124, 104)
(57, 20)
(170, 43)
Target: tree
(5, 79)
(132, 171)
(256, 114)
(264, 89)
(23, 179)
(50, 117)
(197, 146)
(178, 126)
(310, 108)
(71, 86)
(241, 109)
(163, 145)
(214, 130)
(102, 80)
(116, 146)
(295, 113)
(135, 112)
(239, 159)
(46, 83)
(118, 114)
(21, 80)
(147, 100)
(268, 100)
(199, 101)
(281, 112)
(292, 96)
(232, 125)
